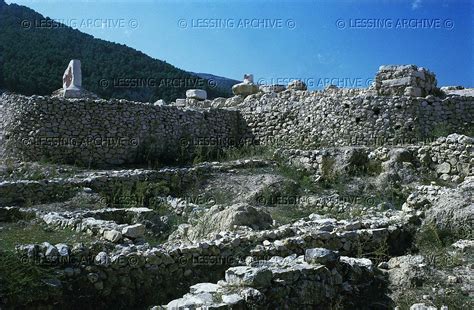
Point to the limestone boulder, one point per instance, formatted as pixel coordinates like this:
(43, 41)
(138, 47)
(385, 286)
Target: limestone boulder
(297, 85)
(112, 235)
(133, 231)
(198, 94)
(453, 208)
(159, 102)
(272, 88)
(248, 276)
(321, 256)
(230, 218)
(232, 101)
(245, 89)
(407, 271)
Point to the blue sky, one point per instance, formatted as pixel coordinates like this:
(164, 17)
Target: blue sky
(340, 42)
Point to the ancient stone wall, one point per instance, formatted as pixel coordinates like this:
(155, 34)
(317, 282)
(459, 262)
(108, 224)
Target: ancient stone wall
(339, 118)
(131, 272)
(114, 132)
(451, 157)
(101, 132)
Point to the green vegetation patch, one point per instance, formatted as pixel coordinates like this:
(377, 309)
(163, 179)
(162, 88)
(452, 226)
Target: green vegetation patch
(12, 234)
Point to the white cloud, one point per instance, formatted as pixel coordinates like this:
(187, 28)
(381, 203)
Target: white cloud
(416, 4)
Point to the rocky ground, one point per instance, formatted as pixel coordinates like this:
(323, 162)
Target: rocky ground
(336, 228)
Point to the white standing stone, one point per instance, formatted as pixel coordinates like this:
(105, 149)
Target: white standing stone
(248, 78)
(72, 77)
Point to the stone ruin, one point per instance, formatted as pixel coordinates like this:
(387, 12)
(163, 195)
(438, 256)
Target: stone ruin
(237, 256)
(407, 80)
(357, 116)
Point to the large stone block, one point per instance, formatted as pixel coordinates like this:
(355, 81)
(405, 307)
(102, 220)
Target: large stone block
(245, 89)
(321, 256)
(248, 276)
(198, 94)
(406, 80)
(133, 231)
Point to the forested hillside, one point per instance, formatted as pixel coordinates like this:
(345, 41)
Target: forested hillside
(33, 59)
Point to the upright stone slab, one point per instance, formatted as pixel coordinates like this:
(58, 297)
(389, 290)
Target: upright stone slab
(72, 77)
(72, 83)
(248, 78)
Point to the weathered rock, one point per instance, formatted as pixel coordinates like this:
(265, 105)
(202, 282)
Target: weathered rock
(230, 218)
(407, 271)
(464, 245)
(198, 94)
(113, 235)
(159, 102)
(272, 88)
(452, 209)
(321, 256)
(422, 306)
(245, 89)
(406, 80)
(180, 102)
(248, 276)
(133, 231)
(102, 259)
(297, 85)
